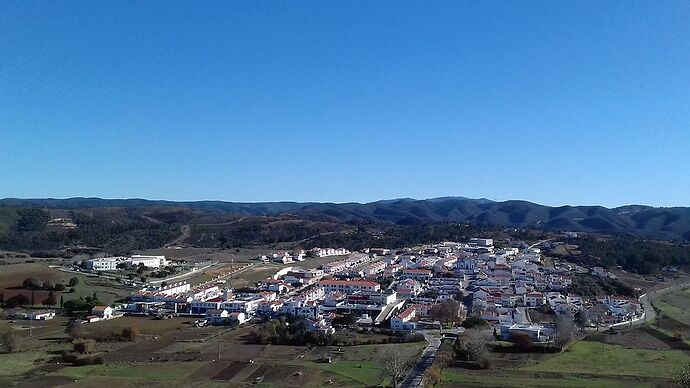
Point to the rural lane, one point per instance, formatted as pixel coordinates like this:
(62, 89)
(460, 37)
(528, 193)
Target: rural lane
(414, 378)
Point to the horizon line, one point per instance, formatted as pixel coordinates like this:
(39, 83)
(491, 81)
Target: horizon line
(325, 202)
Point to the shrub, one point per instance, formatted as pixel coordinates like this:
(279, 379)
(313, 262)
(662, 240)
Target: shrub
(12, 341)
(130, 332)
(84, 345)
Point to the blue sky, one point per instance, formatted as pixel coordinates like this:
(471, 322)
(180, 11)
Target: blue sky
(557, 102)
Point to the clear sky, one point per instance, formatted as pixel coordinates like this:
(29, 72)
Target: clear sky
(557, 102)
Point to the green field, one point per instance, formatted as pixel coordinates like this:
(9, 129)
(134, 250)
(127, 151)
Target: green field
(676, 305)
(593, 358)
(16, 363)
(585, 364)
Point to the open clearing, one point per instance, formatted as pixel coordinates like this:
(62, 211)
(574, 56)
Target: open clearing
(12, 275)
(635, 339)
(145, 324)
(593, 358)
(585, 364)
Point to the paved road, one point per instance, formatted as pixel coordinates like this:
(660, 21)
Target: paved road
(414, 378)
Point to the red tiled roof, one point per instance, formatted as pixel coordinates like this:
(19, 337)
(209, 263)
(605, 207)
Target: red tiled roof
(361, 283)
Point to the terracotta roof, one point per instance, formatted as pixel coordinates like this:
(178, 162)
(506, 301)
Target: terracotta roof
(361, 283)
(408, 311)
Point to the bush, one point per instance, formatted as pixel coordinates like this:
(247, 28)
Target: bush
(130, 332)
(522, 341)
(473, 322)
(84, 345)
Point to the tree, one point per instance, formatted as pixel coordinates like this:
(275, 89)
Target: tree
(682, 376)
(32, 220)
(522, 341)
(73, 281)
(164, 284)
(564, 331)
(395, 363)
(59, 287)
(472, 344)
(50, 300)
(17, 300)
(581, 317)
(11, 341)
(448, 311)
(473, 322)
(433, 376)
(31, 284)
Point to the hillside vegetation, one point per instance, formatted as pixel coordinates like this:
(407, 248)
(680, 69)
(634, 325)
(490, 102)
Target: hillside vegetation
(120, 226)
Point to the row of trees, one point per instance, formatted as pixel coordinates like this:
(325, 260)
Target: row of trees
(34, 284)
(23, 300)
(81, 304)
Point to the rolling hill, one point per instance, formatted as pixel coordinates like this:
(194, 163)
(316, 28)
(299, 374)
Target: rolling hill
(132, 223)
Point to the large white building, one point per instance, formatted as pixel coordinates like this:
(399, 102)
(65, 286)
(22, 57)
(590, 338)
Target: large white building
(104, 263)
(111, 263)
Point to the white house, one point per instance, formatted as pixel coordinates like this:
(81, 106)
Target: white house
(41, 315)
(408, 289)
(102, 312)
(238, 318)
(216, 315)
(402, 321)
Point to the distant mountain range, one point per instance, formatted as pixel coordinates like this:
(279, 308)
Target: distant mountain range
(644, 221)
